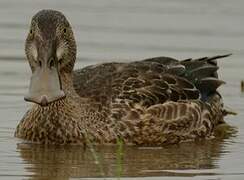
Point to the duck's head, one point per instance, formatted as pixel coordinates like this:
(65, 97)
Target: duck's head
(51, 51)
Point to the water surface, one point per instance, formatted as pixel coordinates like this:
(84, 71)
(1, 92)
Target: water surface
(113, 30)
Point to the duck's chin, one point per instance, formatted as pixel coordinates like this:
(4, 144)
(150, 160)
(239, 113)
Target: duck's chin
(44, 101)
(56, 103)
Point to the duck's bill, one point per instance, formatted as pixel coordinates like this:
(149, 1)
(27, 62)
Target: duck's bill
(45, 86)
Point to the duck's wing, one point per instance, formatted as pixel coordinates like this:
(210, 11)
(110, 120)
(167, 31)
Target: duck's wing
(143, 82)
(157, 100)
(150, 81)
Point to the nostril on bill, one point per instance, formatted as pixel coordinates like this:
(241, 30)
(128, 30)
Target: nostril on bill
(51, 62)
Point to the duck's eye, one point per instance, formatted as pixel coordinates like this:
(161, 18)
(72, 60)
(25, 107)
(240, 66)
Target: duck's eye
(65, 30)
(40, 63)
(31, 34)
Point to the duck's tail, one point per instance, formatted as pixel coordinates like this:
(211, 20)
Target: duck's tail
(203, 73)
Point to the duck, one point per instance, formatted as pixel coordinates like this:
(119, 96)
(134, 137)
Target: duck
(150, 102)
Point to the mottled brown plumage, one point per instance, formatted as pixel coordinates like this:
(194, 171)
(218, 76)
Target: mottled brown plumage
(155, 101)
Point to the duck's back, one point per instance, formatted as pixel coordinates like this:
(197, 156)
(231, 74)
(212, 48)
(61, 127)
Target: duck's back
(157, 100)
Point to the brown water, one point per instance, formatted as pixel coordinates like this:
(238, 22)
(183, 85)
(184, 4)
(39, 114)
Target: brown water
(125, 30)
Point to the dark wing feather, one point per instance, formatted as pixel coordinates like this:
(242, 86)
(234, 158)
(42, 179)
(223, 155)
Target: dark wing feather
(203, 73)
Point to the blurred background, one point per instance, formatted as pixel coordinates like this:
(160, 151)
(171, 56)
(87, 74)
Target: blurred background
(125, 30)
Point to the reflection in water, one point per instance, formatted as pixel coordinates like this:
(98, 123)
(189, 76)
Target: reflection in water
(62, 162)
